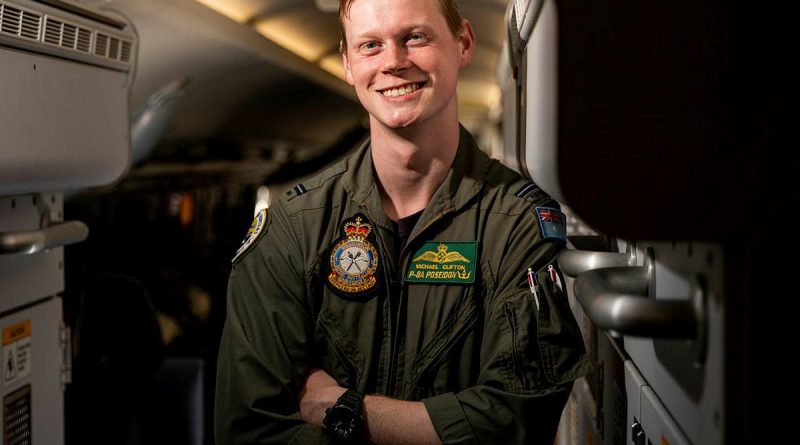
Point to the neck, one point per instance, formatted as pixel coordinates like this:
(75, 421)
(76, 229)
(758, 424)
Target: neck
(410, 164)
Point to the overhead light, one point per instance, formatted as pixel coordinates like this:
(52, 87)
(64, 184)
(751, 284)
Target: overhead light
(285, 34)
(233, 10)
(327, 5)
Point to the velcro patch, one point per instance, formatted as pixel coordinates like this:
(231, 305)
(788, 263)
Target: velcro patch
(553, 223)
(444, 263)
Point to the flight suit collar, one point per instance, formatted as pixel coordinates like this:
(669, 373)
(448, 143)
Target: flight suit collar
(462, 183)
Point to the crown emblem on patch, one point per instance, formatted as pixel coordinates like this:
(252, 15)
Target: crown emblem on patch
(353, 260)
(357, 229)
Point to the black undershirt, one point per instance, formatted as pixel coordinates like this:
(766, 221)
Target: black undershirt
(404, 228)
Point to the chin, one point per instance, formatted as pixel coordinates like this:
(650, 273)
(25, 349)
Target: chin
(398, 123)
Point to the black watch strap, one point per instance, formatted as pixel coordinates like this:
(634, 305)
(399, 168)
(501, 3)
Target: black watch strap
(343, 420)
(352, 399)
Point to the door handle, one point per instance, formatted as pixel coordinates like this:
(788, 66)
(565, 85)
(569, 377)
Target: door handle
(574, 262)
(615, 299)
(33, 241)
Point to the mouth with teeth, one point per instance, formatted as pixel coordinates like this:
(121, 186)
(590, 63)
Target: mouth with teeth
(402, 90)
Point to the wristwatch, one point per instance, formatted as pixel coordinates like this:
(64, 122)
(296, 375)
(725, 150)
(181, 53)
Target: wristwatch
(343, 420)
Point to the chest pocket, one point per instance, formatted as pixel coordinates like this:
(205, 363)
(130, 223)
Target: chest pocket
(335, 344)
(445, 363)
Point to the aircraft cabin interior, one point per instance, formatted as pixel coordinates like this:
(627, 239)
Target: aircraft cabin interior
(138, 139)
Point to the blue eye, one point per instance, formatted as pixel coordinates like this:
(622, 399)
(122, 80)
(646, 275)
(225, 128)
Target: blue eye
(369, 46)
(416, 38)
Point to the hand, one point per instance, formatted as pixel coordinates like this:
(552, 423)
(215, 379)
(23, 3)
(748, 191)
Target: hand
(318, 394)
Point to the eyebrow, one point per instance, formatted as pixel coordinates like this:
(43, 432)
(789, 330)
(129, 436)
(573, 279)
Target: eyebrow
(368, 35)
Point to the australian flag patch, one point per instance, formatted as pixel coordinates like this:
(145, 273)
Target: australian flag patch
(553, 223)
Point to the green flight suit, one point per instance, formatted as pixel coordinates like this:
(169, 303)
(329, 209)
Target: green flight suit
(490, 367)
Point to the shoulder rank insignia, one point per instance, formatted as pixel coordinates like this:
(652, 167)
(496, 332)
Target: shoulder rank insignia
(253, 234)
(525, 189)
(354, 260)
(443, 263)
(295, 191)
(552, 222)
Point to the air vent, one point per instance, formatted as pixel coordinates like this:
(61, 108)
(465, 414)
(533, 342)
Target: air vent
(55, 31)
(125, 55)
(113, 49)
(52, 31)
(67, 35)
(17, 417)
(84, 43)
(19, 22)
(101, 45)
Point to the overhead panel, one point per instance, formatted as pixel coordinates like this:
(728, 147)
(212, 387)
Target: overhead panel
(64, 97)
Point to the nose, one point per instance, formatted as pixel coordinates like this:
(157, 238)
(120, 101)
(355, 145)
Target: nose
(395, 59)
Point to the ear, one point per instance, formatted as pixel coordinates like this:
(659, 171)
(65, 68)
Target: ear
(346, 63)
(466, 38)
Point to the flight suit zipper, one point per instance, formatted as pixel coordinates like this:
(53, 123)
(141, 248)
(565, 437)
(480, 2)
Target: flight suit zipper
(388, 289)
(399, 273)
(397, 277)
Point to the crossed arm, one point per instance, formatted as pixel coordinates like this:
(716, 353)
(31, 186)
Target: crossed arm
(386, 421)
(269, 390)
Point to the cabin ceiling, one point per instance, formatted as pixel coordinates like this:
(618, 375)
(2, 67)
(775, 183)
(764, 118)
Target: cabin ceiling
(265, 72)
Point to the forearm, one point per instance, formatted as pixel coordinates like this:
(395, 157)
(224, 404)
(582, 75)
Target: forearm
(386, 421)
(394, 422)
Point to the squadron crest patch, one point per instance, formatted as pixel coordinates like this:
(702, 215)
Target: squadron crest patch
(253, 234)
(552, 222)
(353, 262)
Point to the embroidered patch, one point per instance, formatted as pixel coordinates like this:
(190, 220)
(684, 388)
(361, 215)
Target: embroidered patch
(444, 262)
(552, 222)
(253, 234)
(354, 260)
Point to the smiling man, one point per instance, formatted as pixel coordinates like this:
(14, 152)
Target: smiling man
(410, 294)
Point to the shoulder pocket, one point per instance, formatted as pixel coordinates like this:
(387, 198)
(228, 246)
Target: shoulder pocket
(560, 342)
(521, 364)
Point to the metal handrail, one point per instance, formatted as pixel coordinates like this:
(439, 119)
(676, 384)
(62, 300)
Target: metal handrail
(33, 241)
(614, 299)
(574, 262)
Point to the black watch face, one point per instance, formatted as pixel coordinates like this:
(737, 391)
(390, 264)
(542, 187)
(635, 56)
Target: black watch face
(341, 423)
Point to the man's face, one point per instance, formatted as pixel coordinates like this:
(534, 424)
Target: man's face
(403, 60)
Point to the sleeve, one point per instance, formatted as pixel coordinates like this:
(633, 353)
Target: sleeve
(529, 356)
(265, 350)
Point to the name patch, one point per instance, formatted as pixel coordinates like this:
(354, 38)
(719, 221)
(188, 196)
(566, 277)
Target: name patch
(444, 263)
